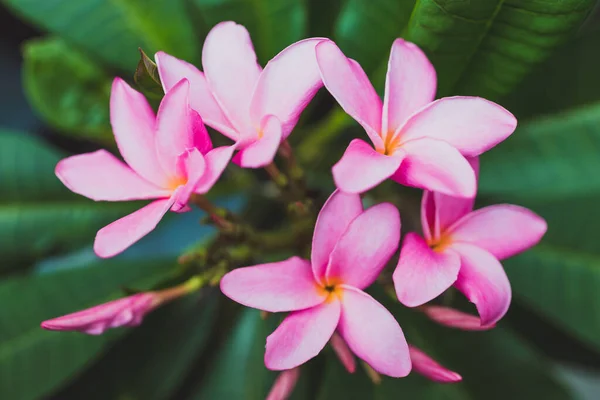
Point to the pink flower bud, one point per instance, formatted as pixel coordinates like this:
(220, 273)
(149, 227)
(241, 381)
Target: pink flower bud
(343, 352)
(455, 319)
(429, 368)
(128, 311)
(284, 384)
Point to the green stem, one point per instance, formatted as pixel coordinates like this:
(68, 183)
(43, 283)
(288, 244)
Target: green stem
(316, 137)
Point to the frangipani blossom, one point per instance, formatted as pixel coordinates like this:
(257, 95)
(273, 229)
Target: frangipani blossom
(256, 108)
(128, 311)
(431, 369)
(350, 248)
(463, 248)
(415, 141)
(167, 158)
(284, 384)
(452, 318)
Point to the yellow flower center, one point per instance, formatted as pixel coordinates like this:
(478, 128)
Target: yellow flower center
(331, 289)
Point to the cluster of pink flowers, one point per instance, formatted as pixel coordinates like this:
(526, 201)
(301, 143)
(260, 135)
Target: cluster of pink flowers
(416, 141)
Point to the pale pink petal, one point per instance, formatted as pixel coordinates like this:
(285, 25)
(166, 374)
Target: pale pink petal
(373, 334)
(410, 84)
(194, 166)
(133, 124)
(231, 70)
(262, 151)
(483, 281)
(118, 236)
(350, 86)
(435, 165)
(455, 319)
(362, 168)
(343, 352)
(284, 384)
(101, 176)
(301, 336)
(502, 229)
(333, 220)
(216, 161)
(365, 247)
(470, 124)
(429, 215)
(179, 128)
(287, 84)
(423, 274)
(128, 311)
(172, 70)
(429, 368)
(280, 286)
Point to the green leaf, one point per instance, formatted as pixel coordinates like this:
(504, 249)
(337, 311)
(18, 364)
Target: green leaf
(561, 284)
(69, 91)
(112, 31)
(486, 47)
(273, 25)
(129, 370)
(33, 361)
(553, 157)
(238, 371)
(38, 216)
(147, 78)
(365, 30)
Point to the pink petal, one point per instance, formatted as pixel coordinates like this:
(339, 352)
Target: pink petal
(410, 84)
(179, 128)
(429, 368)
(429, 216)
(503, 229)
(133, 123)
(343, 352)
(194, 167)
(470, 124)
(118, 236)
(262, 151)
(333, 220)
(362, 168)
(455, 319)
(284, 384)
(172, 70)
(216, 162)
(483, 281)
(423, 274)
(101, 176)
(287, 84)
(350, 86)
(435, 165)
(280, 286)
(373, 334)
(232, 71)
(301, 336)
(365, 247)
(128, 311)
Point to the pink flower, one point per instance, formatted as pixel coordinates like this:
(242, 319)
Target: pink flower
(429, 368)
(350, 248)
(168, 158)
(284, 384)
(128, 311)
(417, 141)
(462, 247)
(254, 107)
(452, 318)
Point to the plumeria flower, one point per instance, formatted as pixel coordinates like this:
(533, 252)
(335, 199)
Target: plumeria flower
(463, 247)
(128, 311)
(255, 108)
(168, 157)
(431, 369)
(415, 141)
(451, 318)
(284, 384)
(350, 248)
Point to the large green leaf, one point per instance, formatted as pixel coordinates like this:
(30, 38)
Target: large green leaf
(486, 47)
(546, 158)
(113, 30)
(365, 30)
(273, 25)
(38, 216)
(175, 334)
(34, 361)
(562, 284)
(238, 371)
(67, 89)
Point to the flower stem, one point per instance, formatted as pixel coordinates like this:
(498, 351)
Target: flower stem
(277, 176)
(220, 216)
